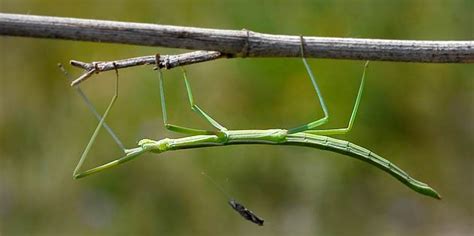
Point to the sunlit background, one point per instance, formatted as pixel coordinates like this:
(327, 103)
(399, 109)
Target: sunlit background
(420, 116)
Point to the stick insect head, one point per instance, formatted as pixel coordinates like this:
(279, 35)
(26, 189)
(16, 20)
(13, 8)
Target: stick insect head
(149, 145)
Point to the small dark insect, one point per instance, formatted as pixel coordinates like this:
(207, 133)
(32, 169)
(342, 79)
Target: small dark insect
(246, 213)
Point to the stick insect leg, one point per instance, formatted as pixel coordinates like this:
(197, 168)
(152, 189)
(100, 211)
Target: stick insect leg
(196, 108)
(323, 120)
(130, 153)
(353, 115)
(92, 109)
(176, 128)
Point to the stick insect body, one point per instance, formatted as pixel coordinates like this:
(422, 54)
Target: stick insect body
(306, 135)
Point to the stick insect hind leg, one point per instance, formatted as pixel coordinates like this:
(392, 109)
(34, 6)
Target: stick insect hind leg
(318, 122)
(129, 153)
(194, 107)
(353, 115)
(310, 127)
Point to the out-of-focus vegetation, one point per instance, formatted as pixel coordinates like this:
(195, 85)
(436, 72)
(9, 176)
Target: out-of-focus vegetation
(419, 116)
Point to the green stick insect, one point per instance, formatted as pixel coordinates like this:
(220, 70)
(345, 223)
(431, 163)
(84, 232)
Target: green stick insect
(305, 135)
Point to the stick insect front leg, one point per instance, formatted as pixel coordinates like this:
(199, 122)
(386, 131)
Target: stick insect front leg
(92, 108)
(129, 153)
(194, 107)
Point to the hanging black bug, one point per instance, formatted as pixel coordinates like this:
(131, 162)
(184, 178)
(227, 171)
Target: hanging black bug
(246, 213)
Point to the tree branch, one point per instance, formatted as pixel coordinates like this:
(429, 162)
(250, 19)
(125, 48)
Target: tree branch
(238, 43)
(164, 61)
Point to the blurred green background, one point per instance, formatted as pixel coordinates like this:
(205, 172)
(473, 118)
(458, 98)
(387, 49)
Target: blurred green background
(420, 116)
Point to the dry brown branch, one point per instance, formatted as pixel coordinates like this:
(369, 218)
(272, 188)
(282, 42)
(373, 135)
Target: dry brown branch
(165, 61)
(238, 43)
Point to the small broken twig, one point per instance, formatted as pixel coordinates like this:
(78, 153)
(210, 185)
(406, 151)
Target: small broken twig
(165, 61)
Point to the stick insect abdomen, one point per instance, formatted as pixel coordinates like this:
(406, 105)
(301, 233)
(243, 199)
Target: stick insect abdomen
(358, 152)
